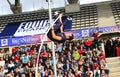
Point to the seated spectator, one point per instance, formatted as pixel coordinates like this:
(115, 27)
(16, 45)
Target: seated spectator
(23, 75)
(70, 74)
(105, 69)
(30, 75)
(2, 62)
(20, 69)
(26, 70)
(45, 55)
(12, 73)
(17, 63)
(88, 44)
(103, 74)
(89, 73)
(96, 72)
(11, 66)
(16, 73)
(2, 72)
(17, 57)
(95, 65)
(75, 54)
(14, 49)
(51, 74)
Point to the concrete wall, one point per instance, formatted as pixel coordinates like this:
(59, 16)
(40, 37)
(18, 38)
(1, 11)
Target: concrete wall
(72, 8)
(105, 15)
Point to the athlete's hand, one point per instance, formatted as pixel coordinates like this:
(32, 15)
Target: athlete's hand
(52, 27)
(61, 15)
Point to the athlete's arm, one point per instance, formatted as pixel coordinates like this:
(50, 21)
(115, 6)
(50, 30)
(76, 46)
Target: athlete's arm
(61, 27)
(54, 35)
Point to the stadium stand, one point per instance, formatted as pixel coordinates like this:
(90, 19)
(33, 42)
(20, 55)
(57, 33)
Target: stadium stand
(87, 17)
(116, 11)
(76, 58)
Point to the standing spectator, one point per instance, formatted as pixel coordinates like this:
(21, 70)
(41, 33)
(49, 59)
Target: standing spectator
(95, 35)
(110, 48)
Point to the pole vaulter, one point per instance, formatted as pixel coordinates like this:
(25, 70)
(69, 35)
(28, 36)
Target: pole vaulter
(55, 36)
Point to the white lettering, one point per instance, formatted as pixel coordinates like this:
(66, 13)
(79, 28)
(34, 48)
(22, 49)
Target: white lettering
(32, 28)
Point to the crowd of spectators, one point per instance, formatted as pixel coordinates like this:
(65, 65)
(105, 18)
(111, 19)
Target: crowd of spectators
(80, 58)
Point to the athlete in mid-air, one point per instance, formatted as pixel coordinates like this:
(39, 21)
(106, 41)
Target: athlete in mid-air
(56, 32)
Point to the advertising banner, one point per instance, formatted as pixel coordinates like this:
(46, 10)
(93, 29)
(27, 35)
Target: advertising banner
(22, 40)
(13, 41)
(34, 27)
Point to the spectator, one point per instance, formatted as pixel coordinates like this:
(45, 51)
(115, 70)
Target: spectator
(12, 73)
(95, 35)
(96, 72)
(20, 69)
(1, 71)
(75, 54)
(88, 44)
(11, 66)
(16, 73)
(26, 70)
(95, 65)
(89, 73)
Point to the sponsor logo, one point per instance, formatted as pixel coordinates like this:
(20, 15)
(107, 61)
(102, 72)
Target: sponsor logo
(43, 38)
(4, 42)
(85, 33)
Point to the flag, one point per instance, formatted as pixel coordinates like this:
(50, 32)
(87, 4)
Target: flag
(67, 22)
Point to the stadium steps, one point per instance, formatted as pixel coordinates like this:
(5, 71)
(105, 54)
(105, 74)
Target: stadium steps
(114, 66)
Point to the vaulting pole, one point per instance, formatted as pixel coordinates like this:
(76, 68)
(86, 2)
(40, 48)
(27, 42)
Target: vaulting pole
(41, 48)
(53, 52)
(53, 49)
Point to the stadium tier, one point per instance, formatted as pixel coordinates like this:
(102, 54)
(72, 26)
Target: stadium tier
(116, 11)
(87, 17)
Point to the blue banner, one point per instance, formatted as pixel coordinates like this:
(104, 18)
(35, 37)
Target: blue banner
(89, 31)
(13, 41)
(22, 40)
(32, 27)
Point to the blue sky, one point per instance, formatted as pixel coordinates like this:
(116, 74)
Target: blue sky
(30, 5)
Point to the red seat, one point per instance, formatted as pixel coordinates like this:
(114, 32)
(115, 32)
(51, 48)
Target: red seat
(118, 51)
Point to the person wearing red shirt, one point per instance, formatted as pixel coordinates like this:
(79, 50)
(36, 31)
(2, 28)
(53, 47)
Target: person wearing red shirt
(95, 35)
(45, 55)
(16, 58)
(88, 44)
(101, 56)
(14, 51)
(95, 65)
